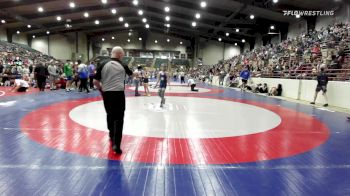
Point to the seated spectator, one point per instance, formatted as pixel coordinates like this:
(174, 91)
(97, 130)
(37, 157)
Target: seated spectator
(335, 63)
(276, 91)
(262, 88)
(6, 77)
(61, 83)
(192, 83)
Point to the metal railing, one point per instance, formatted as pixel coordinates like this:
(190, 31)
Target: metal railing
(333, 74)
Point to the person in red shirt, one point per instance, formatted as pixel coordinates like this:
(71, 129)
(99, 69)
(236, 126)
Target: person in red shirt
(61, 83)
(316, 50)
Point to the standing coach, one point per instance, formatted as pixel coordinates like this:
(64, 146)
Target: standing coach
(110, 80)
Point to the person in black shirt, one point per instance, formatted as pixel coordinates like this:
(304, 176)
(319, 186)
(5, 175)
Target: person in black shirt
(322, 81)
(1, 69)
(41, 74)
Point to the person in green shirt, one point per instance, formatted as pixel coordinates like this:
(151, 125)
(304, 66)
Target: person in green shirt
(68, 71)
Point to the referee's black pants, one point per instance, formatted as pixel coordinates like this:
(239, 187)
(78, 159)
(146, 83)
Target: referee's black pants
(41, 82)
(114, 102)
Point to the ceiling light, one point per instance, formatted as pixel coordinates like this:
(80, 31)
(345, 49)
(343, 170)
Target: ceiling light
(194, 24)
(198, 16)
(168, 40)
(40, 9)
(130, 30)
(243, 40)
(237, 30)
(227, 34)
(140, 38)
(97, 22)
(167, 25)
(135, 2)
(203, 4)
(18, 32)
(252, 16)
(48, 32)
(297, 16)
(126, 25)
(29, 26)
(128, 40)
(272, 27)
(275, 1)
(33, 36)
(103, 39)
(121, 19)
(86, 15)
(130, 33)
(167, 9)
(147, 26)
(114, 11)
(104, 1)
(235, 44)
(167, 18)
(181, 43)
(58, 18)
(155, 41)
(113, 37)
(140, 12)
(144, 20)
(72, 5)
(3, 21)
(219, 39)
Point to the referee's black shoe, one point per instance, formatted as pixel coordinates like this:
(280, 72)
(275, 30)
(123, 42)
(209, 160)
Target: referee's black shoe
(117, 150)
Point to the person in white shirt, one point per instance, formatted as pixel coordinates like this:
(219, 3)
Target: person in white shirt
(53, 76)
(20, 85)
(182, 77)
(192, 83)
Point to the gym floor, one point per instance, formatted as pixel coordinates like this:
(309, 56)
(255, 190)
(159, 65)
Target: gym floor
(215, 142)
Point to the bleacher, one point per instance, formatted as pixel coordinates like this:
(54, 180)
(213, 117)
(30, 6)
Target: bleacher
(160, 61)
(299, 57)
(180, 62)
(126, 60)
(142, 61)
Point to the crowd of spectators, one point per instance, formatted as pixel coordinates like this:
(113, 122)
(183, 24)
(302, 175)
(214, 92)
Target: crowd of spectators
(18, 61)
(35, 69)
(297, 58)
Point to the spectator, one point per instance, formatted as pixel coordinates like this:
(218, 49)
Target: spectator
(41, 74)
(6, 77)
(182, 77)
(192, 83)
(92, 74)
(245, 75)
(1, 68)
(83, 75)
(276, 91)
(52, 76)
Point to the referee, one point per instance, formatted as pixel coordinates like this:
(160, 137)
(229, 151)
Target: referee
(110, 80)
